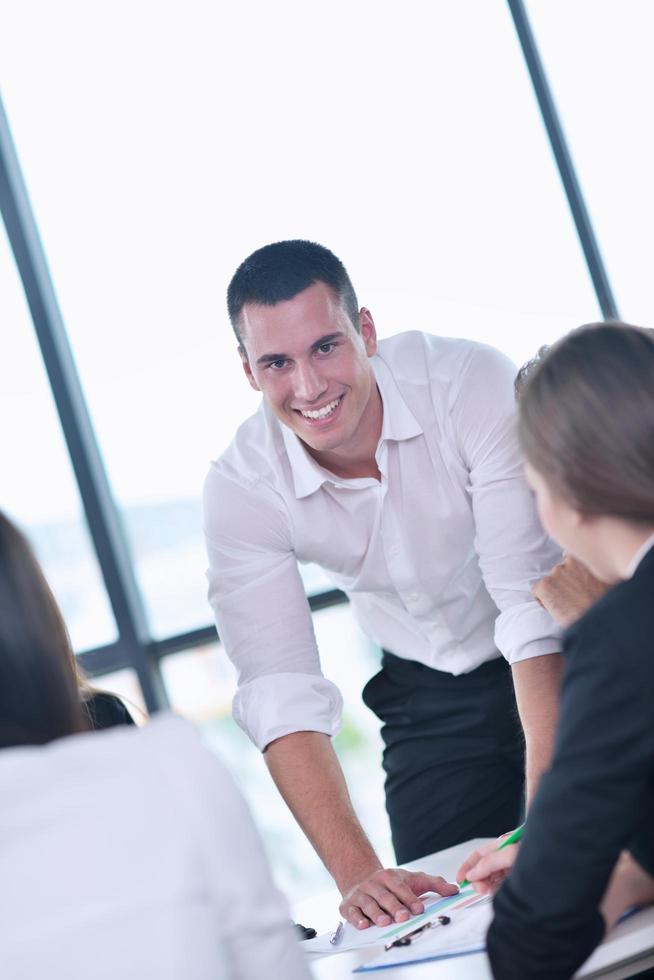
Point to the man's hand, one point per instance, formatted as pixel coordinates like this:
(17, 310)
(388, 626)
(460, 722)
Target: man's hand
(568, 591)
(390, 895)
(487, 867)
(308, 775)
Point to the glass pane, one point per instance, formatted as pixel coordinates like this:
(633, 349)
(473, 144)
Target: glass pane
(421, 160)
(201, 685)
(599, 61)
(38, 487)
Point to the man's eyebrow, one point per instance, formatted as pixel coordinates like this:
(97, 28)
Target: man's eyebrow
(326, 339)
(269, 358)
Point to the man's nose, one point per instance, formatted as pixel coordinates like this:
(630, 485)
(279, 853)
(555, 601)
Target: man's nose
(309, 385)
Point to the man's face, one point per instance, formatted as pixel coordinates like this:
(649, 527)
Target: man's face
(312, 367)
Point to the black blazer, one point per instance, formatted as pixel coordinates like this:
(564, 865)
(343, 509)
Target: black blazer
(597, 798)
(106, 710)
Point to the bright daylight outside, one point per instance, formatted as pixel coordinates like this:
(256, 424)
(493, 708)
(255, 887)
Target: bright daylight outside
(163, 142)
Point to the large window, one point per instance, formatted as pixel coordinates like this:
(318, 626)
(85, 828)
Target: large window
(37, 487)
(171, 140)
(160, 144)
(598, 57)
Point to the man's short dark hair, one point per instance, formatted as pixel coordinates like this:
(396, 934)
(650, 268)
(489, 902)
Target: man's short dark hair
(280, 271)
(527, 370)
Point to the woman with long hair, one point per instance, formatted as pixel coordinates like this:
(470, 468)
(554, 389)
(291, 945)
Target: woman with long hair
(127, 852)
(40, 698)
(586, 420)
(31, 626)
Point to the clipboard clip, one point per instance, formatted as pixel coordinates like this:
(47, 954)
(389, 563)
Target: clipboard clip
(410, 937)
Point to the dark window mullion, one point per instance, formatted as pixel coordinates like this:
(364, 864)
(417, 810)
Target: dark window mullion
(101, 512)
(564, 162)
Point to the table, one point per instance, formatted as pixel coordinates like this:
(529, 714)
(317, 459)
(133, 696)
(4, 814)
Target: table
(630, 951)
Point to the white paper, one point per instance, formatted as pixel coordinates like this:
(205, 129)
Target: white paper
(352, 938)
(464, 934)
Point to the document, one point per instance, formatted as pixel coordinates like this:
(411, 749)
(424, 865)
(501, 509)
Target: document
(458, 930)
(351, 938)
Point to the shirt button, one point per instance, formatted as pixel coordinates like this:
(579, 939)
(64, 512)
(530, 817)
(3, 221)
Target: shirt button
(412, 597)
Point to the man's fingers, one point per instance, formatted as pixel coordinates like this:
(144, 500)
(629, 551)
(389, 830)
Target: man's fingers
(374, 911)
(391, 895)
(354, 915)
(397, 902)
(421, 882)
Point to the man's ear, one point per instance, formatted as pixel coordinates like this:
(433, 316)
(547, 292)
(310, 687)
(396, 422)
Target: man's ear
(246, 367)
(368, 331)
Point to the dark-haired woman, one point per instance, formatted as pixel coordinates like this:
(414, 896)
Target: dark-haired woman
(122, 853)
(587, 431)
(30, 622)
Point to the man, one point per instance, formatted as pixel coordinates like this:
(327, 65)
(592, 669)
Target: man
(395, 468)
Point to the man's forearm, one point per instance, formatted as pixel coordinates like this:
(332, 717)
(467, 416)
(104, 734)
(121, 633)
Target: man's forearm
(537, 682)
(309, 777)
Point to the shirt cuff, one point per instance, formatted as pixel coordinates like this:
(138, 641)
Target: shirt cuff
(526, 630)
(274, 705)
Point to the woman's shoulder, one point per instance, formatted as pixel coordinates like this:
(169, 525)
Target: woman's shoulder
(620, 625)
(633, 596)
(165, 740)
(181, 748)
(167, 729)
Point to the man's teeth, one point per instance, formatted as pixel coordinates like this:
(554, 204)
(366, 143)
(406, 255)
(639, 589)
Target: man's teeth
(321, 413)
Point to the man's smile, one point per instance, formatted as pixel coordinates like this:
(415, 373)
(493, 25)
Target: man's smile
(320, 414)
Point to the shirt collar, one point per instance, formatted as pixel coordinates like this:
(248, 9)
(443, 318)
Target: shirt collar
(644, 549)
(398, 423)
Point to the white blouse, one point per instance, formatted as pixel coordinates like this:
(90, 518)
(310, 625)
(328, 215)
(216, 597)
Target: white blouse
(130, 854)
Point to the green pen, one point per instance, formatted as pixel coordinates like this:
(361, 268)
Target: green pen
(512, 838)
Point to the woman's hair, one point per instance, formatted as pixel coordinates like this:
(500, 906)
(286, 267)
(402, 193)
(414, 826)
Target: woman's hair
(586, 420)
(39, 683)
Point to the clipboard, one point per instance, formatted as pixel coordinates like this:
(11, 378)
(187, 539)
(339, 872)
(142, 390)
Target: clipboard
(469, 917)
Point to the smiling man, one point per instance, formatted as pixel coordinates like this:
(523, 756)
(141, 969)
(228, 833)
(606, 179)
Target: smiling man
(320, 385)
(393, 466)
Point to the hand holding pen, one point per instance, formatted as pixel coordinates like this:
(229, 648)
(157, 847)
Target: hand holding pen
(487, 867)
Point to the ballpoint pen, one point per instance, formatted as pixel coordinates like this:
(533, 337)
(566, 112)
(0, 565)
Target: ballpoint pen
(512, 838)
(408, 937)
(336, 935)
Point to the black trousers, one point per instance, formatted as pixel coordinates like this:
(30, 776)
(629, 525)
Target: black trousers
(454, 753)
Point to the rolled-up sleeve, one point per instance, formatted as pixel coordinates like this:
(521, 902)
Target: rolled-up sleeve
(262, 613)
(514, 551)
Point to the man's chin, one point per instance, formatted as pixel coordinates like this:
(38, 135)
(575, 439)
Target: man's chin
(318, 442)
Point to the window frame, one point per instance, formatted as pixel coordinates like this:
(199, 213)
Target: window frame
(135, 647)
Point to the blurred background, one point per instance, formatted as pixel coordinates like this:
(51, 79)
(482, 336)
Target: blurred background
(482, 167)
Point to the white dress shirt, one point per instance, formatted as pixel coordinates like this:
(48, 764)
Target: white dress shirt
(428, 556)
(130, 853)
(644, 549)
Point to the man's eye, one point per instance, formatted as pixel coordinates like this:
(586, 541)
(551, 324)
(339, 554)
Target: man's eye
(326, 348)
(278, 365)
